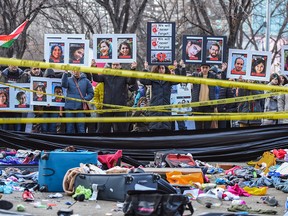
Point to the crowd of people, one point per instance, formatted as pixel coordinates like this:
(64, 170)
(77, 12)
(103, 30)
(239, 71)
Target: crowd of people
(110, 92)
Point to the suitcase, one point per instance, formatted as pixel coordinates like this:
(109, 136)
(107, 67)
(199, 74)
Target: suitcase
(114, 187)
(54, 165)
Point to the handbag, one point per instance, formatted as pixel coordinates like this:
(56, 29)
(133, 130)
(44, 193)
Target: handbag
(155, 203)
(85, 105)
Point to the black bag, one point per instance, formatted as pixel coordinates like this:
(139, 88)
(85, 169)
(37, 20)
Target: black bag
(155, 203)
(160, 157)
(114, 187)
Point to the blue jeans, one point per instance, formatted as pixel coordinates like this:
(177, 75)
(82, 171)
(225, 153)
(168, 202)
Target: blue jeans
(70, 127)
(49, 127)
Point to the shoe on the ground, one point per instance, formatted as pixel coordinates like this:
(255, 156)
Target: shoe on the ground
(27, 195)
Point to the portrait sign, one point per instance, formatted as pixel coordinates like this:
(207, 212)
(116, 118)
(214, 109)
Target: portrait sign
(78, 52)
(161, 43)
(192, 49)
(104, 47)
(181, 94)
(118, 48)
(66, 49)
(284, 59)
(50, 86)
(251, 65)
(204, 49)
(15, 97)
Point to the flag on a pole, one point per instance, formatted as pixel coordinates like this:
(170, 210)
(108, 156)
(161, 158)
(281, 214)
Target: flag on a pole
(6, 41)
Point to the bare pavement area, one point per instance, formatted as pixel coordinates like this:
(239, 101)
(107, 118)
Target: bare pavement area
(100, 207)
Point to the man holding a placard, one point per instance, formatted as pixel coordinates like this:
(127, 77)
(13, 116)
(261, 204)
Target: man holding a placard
(202, 92)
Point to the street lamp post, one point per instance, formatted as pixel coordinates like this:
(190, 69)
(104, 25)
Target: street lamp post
(267, 24)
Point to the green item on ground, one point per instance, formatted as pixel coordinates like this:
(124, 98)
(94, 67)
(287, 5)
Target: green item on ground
(20, 208)
(82, 190)
(237, 208)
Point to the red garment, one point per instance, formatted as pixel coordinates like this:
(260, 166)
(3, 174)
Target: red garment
(280, 154)
(110, 160)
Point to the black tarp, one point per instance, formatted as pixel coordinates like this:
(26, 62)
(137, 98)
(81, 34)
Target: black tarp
(229, 145)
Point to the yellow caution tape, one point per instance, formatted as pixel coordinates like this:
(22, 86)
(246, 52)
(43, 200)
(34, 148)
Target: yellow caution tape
(144, 75)
(254, 116)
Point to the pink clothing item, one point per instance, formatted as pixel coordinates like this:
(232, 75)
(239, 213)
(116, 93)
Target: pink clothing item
(236, 190)
(232, 170)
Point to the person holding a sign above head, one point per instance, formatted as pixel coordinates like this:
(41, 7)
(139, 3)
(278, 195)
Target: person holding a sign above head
(56, 54)
(203, 92)
(76, 55)
(258, 67)
(161, 92)
(238, 66)
(124, 50)
(104, 49)
(115, 93)
(214, 52)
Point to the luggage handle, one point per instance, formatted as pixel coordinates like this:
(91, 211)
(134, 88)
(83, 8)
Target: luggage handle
(50, 169)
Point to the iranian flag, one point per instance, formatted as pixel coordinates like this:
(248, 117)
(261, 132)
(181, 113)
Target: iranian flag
(6, 41)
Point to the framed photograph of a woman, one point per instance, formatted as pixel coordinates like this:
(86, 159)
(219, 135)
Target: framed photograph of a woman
(57, 50)
(260, 65)
(125, 48)
(4, 97)
(58, 91)
(192, 49)
(104, 48)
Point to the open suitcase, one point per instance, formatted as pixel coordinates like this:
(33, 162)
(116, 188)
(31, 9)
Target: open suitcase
(114, 187)
(54, 165)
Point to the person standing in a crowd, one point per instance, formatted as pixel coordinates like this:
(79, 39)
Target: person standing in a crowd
(271, 103)
(249, 106)
(49, 127)
(115, 93)
(161, 93)
(78, 87)
(203, 92)
(13, 74)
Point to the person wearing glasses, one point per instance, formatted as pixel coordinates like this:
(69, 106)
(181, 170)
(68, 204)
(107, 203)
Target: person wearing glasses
(161, 92)
(115, 93)
(203, 92)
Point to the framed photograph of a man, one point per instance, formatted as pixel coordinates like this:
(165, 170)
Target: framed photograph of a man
(284, 59)
(192, 49)
(214, 50)
(104, 48)
(237, 64)
(57, 90)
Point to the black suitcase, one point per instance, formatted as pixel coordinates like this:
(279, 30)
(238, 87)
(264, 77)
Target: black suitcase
(114, 187)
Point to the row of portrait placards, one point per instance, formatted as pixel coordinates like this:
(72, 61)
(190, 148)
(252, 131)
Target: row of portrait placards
(19, 96)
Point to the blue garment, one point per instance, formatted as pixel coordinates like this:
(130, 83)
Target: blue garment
(49, 127)
(79, 126)
(72, 91)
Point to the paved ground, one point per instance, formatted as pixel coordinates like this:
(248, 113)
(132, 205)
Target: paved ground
(100, 208)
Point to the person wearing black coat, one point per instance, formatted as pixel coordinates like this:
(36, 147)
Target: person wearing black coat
(115, 93)
(202, 92)
(161, 94)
